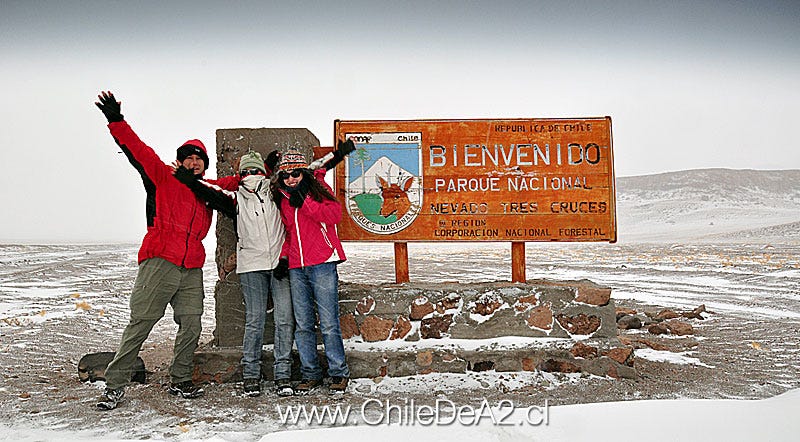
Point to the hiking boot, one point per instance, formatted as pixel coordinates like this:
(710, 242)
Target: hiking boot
(252, 387)
(186, 390)
(306, 385)
(110, 398)
(283, 387)
(338, 384)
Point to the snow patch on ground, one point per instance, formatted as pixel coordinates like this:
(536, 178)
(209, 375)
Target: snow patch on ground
(668, 356)
(729, 420)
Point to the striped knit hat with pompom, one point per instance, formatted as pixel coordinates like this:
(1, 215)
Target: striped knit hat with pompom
(292, 159)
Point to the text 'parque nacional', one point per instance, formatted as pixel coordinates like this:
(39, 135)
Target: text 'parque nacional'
(509, 180)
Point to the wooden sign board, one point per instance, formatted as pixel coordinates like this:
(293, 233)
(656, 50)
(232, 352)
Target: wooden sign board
(478, 180)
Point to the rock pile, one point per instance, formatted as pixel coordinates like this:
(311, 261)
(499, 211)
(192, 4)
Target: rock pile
(403, 330)
(659, 323)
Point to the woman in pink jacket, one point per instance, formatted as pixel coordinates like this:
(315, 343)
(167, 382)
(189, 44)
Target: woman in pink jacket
(310, 213)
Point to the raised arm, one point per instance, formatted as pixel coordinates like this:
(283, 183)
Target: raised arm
(141, 156)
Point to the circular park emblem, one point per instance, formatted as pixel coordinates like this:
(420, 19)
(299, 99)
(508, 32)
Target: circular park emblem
(384, 192)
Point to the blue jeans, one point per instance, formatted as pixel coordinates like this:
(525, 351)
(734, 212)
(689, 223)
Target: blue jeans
(318, 286)
(256, 287)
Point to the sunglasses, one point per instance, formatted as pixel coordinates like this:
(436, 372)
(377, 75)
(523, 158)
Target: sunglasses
(253, 171)
(294, 174)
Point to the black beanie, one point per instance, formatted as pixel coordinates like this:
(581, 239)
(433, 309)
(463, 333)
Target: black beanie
(190, 149)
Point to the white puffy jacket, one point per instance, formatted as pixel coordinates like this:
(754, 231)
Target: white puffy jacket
(260, 230)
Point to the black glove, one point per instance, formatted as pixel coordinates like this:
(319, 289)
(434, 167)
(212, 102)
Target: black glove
(281, 271)
(297, 195)
(296, 198)
(343, 149)
(346, 147)
(185, 175)
(271, 163)
(110, 107)
(215, 198)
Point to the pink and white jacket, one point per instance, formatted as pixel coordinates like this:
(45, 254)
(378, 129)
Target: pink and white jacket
(311, 236)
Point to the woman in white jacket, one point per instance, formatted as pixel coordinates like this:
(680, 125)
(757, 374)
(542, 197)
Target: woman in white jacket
(261, 270)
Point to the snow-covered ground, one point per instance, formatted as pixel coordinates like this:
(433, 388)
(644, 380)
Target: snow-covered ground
(710, 205)
(47, 290)
(773, 419)
(60, 301)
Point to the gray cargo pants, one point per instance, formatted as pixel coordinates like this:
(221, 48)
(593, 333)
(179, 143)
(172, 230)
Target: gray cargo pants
(158, 283)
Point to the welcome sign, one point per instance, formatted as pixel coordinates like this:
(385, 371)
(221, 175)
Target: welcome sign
(478, 180)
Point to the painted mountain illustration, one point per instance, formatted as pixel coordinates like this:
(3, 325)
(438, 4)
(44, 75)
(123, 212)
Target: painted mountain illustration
(365, 190)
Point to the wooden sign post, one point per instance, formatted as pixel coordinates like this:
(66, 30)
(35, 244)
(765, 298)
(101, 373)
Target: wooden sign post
(504, 180)
(518, 261)
(401, 262)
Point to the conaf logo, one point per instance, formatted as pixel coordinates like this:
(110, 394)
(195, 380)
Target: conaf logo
(384, 191)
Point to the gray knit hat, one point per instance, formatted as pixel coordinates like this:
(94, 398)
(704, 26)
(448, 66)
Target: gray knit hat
(252, 160)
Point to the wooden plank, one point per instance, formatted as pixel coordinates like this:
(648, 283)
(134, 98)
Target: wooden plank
(401, 262)
(518, 261)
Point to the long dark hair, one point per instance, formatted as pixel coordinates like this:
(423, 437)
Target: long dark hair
(308, 185)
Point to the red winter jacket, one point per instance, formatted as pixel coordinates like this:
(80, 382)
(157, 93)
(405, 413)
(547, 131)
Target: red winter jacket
(311, 236)
(177, 221)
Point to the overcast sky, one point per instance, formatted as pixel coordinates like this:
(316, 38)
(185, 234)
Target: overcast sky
(688, 85)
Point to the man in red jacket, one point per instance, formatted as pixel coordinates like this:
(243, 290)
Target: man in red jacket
(170, 259)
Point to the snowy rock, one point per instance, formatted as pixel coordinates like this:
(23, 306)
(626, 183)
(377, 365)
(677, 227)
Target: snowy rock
(581, 350)
(365, 305)
(349, 326)
(92, 367)
(230, 319)
(227, 266)
(628, 322)
(605, 366)
(487, 304)
(540, 317)
(696, 313)
(593, 295)
(425, 358)
(529, 364)
(481, 310)
(449, 302)
(374, 328)
(583, 291)
(581, 324)
(402, 327)
(420, 307)
(435, 326)
(648, 343)
(224, 365)
(559, 366)
(622, 355)
(680, 328)
(667, 314)
(526, 302)
(658, 329)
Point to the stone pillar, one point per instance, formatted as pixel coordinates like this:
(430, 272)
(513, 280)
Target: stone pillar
(231, 144)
